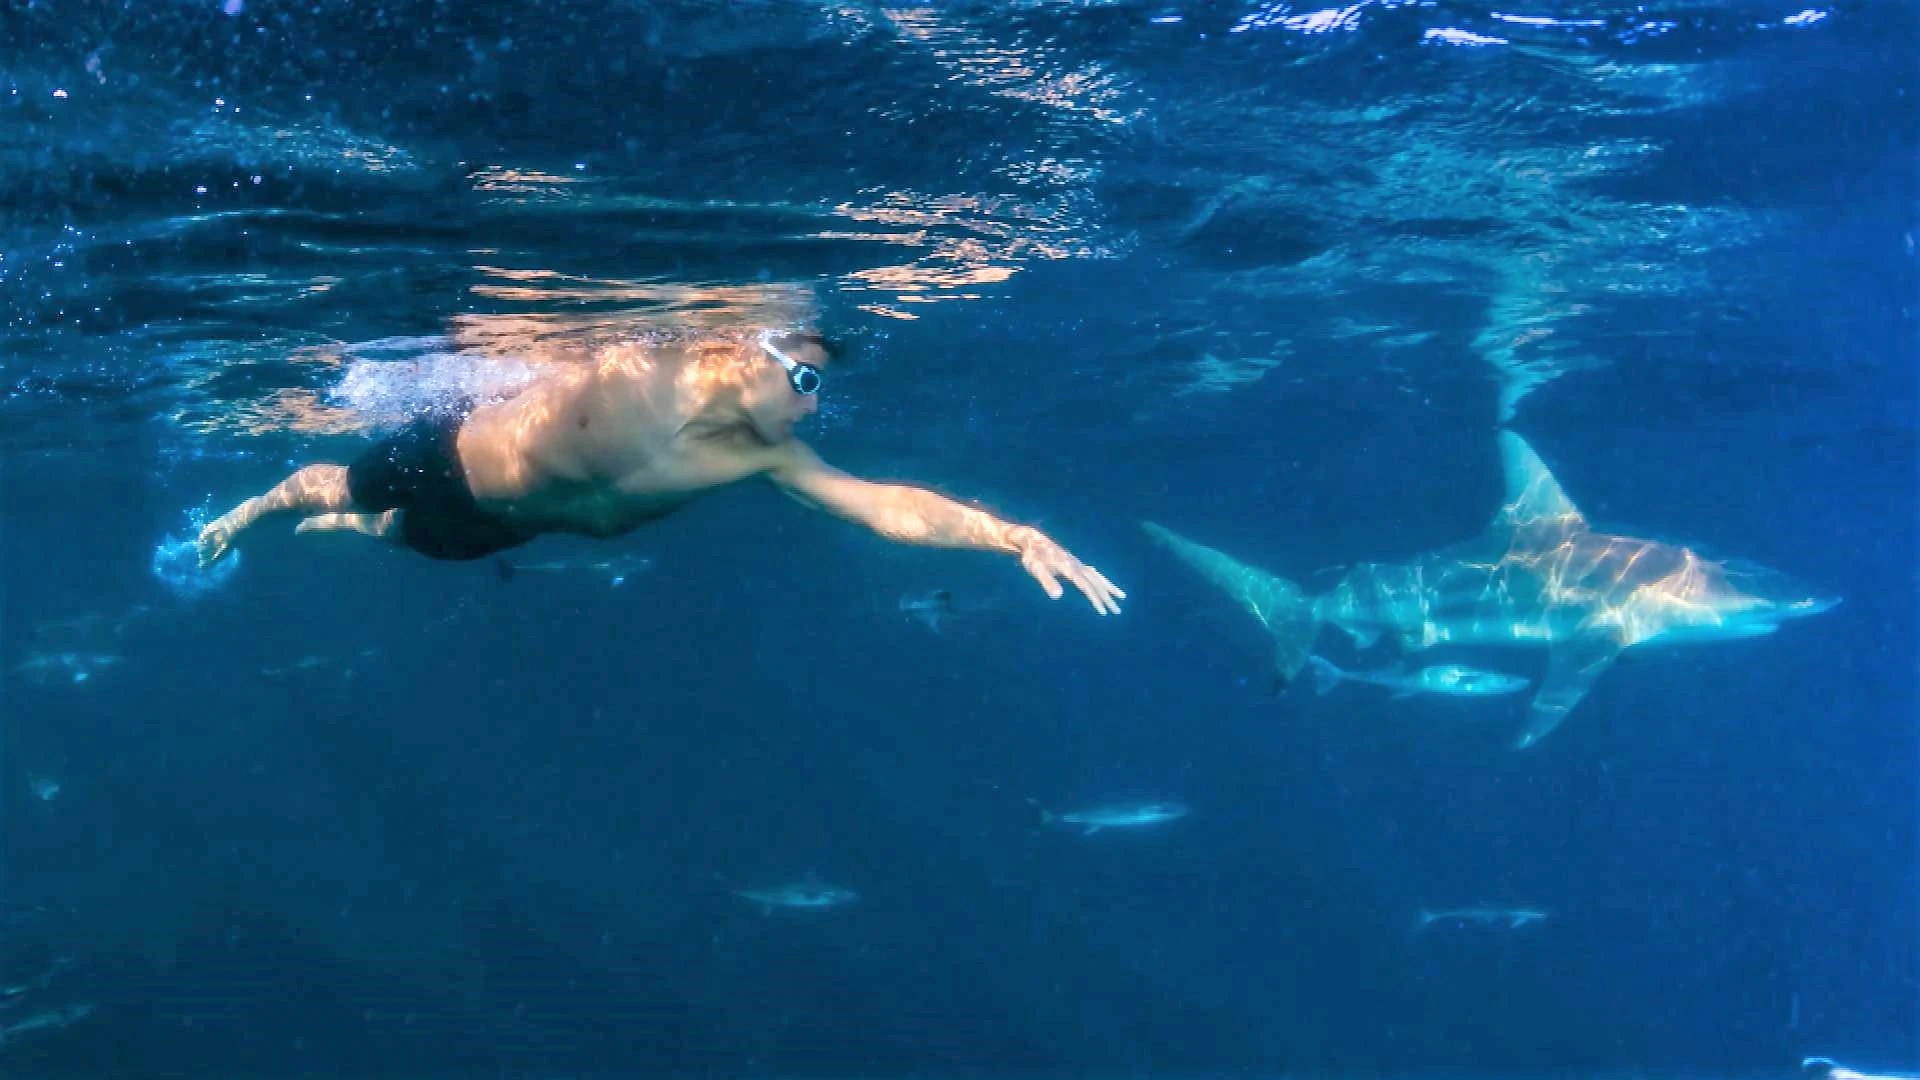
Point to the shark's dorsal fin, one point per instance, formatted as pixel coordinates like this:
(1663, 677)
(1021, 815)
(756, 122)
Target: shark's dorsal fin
(1533, 496)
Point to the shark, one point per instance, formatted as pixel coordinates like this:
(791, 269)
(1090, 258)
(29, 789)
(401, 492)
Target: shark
(1538, 575)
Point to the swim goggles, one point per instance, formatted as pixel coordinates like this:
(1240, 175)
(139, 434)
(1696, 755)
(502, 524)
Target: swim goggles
(804, 378)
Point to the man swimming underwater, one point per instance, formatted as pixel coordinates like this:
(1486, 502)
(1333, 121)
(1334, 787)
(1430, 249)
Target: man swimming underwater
(602, 448)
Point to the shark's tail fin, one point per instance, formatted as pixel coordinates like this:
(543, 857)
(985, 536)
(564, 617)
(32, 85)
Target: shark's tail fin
(1325, 675)
(1293, 625)
(1282, 606)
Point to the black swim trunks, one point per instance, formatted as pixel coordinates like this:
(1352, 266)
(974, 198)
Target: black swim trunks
(417, 471)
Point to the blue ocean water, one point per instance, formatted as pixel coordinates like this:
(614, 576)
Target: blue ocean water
(1275, 276)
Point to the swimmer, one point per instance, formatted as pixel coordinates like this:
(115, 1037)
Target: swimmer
(602, 448)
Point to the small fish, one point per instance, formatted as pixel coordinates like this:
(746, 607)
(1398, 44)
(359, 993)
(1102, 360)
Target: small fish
(616, 569)
(74, 628)
(77, 667)
(305, 663)
(44, 788)
(1116, 816)
(17, 993)
(17, 914)
(52, 1018)
(1453, 680)
(805, 894)
(931, 609)
(1819, 1068)
(314, 662)
(1511, 918)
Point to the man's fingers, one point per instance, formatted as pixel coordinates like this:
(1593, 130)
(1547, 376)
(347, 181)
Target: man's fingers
(1090, 585)
(1106, 588)
(1048, 566)
(1043, 574)
(1098, 590)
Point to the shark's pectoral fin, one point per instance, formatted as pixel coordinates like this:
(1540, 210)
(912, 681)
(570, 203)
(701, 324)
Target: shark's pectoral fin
(1400, 693)
(1572, 666)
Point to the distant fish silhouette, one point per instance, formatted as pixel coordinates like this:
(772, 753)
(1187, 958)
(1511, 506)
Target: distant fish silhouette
(931, 609)
(1451, 680)
(616, 570)
(1135, 815)
(1511, 918)
(1819, 1068)
(808, 892)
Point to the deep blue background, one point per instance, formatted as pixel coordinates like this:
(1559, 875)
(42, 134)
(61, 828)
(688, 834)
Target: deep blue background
(509, 837)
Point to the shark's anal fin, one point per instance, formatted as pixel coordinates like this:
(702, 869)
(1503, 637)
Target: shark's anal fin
(1572, 666)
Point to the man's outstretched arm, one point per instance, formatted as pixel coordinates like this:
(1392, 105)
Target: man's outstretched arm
(911, 515)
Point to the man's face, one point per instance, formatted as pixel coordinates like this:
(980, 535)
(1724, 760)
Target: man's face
(777, 405)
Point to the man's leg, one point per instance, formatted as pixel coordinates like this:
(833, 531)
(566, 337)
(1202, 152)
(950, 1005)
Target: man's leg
(384, 525)
(313, 491)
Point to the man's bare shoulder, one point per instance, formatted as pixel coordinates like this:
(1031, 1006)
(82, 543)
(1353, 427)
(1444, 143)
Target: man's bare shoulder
(788, 456)
(746, 450)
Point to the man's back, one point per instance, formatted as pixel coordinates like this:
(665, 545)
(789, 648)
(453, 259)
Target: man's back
(612, 444)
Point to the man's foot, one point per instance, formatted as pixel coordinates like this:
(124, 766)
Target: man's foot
(378, 525)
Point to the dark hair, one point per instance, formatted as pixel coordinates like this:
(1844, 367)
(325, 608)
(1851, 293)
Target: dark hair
(833, 347)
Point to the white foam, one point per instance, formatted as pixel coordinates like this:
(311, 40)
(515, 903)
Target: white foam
(386, 392)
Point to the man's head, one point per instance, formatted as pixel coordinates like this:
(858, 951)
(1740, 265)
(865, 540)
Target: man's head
(785, 381)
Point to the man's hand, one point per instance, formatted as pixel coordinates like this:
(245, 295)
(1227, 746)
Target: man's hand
(1048, 562)
(214, 542)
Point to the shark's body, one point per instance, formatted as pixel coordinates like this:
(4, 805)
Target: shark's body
(1539, 575)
